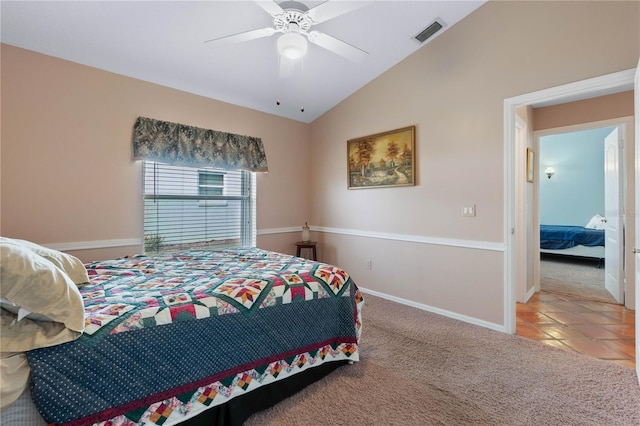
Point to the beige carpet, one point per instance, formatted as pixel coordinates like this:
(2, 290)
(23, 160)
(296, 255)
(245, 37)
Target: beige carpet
(419, 368)
(575, 277)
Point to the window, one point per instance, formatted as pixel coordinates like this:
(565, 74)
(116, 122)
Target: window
(192, 208)
(210, 183)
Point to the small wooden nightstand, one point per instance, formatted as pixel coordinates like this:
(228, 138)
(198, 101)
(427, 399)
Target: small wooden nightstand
(308, 245)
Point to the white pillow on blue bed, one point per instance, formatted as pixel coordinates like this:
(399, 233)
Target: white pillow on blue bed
(596, 222)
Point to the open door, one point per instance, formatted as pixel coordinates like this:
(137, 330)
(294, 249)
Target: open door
(613, 247)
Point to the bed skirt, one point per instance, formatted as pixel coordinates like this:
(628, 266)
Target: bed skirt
(239, 409)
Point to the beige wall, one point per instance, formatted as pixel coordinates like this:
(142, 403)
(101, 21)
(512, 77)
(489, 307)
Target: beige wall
(453, 90)
(585, 111)
(67, 174)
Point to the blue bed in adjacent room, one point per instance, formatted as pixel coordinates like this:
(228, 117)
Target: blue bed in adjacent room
(574, 241)
(559, 237)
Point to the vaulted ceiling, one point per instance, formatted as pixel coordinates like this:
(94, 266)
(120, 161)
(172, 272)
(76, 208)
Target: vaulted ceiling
(164, 42)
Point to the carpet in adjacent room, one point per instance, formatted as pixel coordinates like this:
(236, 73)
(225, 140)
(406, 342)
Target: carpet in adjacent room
(574, 277)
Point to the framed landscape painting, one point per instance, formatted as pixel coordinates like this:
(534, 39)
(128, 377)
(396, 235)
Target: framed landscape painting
(382, 160)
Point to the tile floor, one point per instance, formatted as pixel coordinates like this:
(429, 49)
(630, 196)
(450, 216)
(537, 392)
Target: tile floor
(601, 330)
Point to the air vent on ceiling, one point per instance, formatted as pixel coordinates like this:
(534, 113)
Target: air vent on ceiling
(428, 32)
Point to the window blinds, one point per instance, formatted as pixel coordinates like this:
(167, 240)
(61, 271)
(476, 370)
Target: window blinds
(194, 208)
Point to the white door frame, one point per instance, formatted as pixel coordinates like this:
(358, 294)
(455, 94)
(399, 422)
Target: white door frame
(636, 166)
(514, 236)
(520, 207)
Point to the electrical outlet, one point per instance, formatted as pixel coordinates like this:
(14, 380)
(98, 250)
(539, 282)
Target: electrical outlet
(368, 263)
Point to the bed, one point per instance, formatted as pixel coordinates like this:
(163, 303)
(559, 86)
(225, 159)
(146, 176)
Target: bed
(575, 241)
(196, 337)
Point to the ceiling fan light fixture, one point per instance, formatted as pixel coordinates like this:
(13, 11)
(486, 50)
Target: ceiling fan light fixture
(292, 45)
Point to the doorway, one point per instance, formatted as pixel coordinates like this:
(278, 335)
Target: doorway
(577, 175)
(574, 187)
(514, 257)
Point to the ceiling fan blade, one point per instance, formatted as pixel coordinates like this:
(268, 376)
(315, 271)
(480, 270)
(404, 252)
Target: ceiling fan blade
(331, 9)
(286, 67)
(271, 7)
(241, 37)
(338, 47)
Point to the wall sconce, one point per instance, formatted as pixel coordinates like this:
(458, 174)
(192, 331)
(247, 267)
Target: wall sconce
(549, 172)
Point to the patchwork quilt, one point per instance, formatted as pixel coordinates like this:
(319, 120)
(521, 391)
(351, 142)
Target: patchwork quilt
(170, 336)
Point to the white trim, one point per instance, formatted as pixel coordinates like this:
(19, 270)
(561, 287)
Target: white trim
(431, 309)
(90, 245)
(597, 86)
(471, 244)
(520, 169)
(269, 231)
(584, 89)
(529, 294)
(509, 215)
(636, 169)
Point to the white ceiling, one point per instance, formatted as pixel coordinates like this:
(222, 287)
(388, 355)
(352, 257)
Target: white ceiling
(163, 42)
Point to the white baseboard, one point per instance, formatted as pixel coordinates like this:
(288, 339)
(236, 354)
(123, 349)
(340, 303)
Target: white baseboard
(529, 294)
(443, 312)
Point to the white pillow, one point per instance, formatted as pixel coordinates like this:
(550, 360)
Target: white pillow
(71, 265)
(33, 283)
(596, 222)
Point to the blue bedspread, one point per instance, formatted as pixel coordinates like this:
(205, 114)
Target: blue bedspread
(562, 237)
(168, 337)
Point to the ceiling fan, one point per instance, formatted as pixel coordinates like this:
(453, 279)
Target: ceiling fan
(294, 20)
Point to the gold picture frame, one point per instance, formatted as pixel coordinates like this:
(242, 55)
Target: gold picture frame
(530, 164)
(382, 160)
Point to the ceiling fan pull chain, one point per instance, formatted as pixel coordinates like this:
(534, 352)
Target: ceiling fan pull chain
(302, 91)
(278, 81)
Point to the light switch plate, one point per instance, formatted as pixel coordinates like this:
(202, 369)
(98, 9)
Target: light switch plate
(469, 210)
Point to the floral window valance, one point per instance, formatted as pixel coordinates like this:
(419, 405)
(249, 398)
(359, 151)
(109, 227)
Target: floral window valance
(175, 143)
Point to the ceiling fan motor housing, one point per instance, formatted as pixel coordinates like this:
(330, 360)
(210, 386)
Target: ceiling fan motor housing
(302, 22)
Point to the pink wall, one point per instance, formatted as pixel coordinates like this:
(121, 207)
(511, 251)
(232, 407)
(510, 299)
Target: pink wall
(67, 174)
